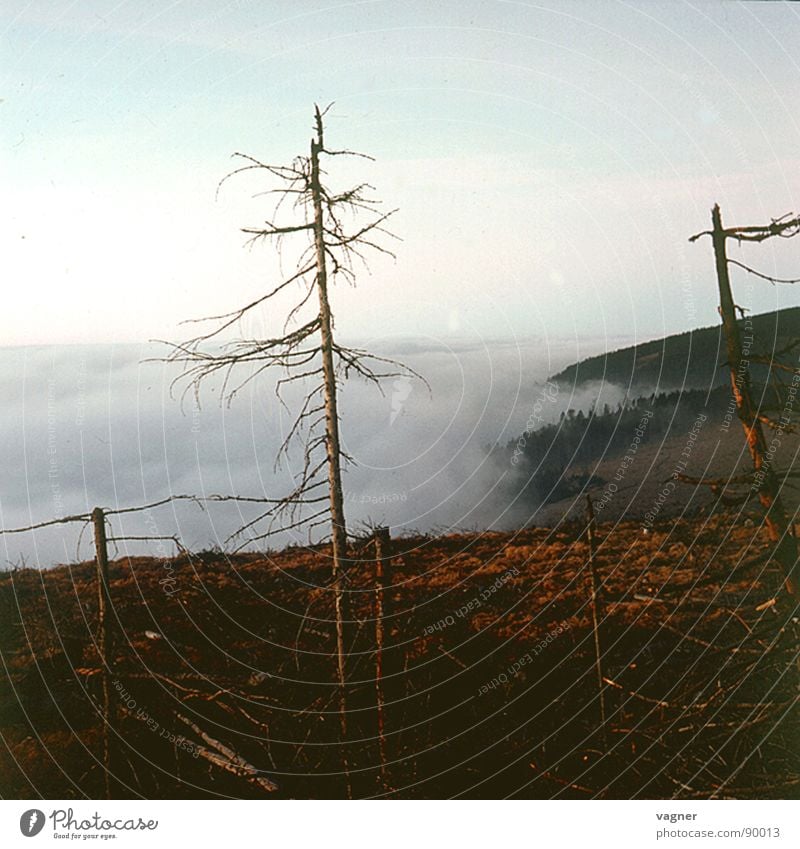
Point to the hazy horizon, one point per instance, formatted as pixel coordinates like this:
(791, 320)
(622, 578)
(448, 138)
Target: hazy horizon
(97, 425)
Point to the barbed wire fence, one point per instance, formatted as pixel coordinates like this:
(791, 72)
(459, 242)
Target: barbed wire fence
(108, 626)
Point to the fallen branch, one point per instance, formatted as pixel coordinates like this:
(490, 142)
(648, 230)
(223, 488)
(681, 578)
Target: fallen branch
(225, 758)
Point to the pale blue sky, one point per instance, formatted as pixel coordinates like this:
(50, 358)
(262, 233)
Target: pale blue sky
(549, 159)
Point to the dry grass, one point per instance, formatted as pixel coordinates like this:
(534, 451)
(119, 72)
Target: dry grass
(702, 699)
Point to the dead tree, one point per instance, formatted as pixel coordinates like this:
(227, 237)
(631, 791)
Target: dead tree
(766, 483)
(105, 642)
(108, 638)
(306, 351)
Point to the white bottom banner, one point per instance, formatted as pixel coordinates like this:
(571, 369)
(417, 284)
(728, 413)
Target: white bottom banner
(356, 825)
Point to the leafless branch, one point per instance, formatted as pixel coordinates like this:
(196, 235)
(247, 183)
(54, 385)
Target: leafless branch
(777, 227)
(83, 517)
(766, 277)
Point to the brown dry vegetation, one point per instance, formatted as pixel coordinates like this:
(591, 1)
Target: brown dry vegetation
(702, 699)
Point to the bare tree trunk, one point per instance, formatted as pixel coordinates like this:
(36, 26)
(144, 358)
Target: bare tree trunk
(105, 643)
(775, 515)
(596, 617)
(338, 527)
(382, 552)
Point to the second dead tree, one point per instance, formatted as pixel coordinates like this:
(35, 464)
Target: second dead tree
(766, 482)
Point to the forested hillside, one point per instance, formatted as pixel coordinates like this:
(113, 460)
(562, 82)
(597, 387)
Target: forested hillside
(686, 360)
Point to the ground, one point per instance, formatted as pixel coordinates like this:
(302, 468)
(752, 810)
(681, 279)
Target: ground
(489, 675)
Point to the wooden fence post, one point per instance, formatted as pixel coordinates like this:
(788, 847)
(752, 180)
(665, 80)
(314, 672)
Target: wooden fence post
(105, 643)
(597, 615)
(383, 543)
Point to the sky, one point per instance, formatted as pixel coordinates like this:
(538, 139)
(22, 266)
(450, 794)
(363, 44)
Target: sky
(549, 160)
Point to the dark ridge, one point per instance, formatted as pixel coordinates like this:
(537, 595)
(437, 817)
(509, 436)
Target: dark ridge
(688, 360)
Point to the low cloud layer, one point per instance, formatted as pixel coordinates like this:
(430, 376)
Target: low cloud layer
(97, 425)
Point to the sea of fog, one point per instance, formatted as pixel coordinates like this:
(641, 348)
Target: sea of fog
(93, 425)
